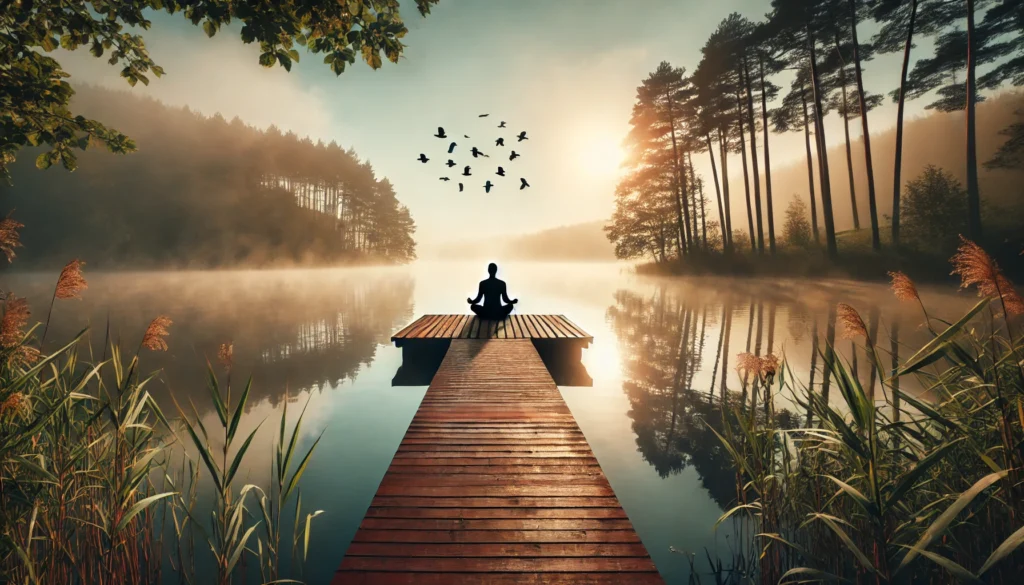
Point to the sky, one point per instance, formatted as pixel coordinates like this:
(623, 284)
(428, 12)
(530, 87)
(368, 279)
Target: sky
(565, 71)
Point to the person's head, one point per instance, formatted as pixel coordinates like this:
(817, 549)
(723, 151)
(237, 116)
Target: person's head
(492, 269)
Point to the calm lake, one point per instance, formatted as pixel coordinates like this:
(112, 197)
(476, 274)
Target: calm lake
(663, 349)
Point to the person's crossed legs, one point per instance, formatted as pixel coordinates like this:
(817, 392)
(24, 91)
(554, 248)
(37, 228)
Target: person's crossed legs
(492, 314)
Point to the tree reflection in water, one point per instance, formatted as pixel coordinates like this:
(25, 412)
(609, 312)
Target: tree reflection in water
(291, 330)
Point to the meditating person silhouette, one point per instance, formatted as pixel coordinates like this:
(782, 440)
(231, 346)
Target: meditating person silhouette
(493, 292)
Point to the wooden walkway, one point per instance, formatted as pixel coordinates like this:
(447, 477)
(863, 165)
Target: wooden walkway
(495, 484)
(472, 327)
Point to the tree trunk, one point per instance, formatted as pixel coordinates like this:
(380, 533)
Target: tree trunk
(746, 176)
(718, 193)
(973, 191)
(849, 154)
(810, 168)
(723, 144)
(767, 160)
(819, 127)
(899, 129)
(684, 228)
(876, 241)
(698, 201)
(753, 155)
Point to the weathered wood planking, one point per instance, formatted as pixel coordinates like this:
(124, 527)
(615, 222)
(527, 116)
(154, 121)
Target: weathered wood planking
(472, 327)
(495, 483)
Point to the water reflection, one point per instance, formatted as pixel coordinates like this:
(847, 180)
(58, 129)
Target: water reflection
(679, 348)
(296, 330)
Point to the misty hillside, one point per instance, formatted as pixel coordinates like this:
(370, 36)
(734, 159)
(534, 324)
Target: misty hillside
(936, 139)
(203, 192)
(585, 242)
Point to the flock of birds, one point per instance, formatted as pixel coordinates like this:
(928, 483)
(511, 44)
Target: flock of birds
(477, 153)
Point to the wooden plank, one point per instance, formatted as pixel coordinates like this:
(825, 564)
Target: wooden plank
(453, 327)
(407, 329)
(494, 482)
(422, 578)
(573, 327)
(460, 326)
(560, 328)
(427, 324)
(417, 325)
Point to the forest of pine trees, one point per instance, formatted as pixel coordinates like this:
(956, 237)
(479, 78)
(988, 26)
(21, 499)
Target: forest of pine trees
(205, 192)
(727, 108)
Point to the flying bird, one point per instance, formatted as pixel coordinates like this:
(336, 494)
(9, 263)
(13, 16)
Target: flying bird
(465, 172)
(451, 148)
(450, 163)
(502, 125)
(499, 142)
(440, 133)
(514, 155)
(483, 115)
(501, 172)
(487, 186)
(477, 152)
(460, 187)
(423, 158)
(524, 185)
(522, 136)
(445, 179)
(465, 135)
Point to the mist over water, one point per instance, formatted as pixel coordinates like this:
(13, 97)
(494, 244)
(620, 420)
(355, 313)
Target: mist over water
(663, 356)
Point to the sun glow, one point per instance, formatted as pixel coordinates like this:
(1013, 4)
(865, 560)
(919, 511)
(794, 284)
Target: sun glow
(601, 156)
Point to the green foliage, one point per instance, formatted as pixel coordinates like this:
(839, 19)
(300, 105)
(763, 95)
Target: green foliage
(886, 486)
(796, 231)
(1011, 153)
(934, 209)
(34, 97)
(90, 491)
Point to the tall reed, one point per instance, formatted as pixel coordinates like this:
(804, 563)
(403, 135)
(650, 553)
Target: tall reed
(897, 488)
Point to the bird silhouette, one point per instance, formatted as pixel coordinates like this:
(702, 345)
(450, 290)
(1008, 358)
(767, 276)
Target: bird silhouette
(501, 172)
(499, 142)
(423, 158)
(445, 179)
(483, 115)
(460, 187)
(477, 152)
(440, 133)
(465, 172)
(522, 136)
(465, 135)
(487, 186)
(451, 147)
(450, 163)
(524, 184)
(502, 125)
(514, 155)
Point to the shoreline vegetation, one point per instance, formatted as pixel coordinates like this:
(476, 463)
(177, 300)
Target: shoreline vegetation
(879, 486)
(888, 200)
(206, 192)
(99, 485)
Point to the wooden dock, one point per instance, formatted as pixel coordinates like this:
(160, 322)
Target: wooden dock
(449, 327)
(494, 482)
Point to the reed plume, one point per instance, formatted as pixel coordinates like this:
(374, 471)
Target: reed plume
(853, 325)
(764, 367)
(16, 403)
(155, 333)
(976, 267)
(226, 355)
(903, 288)
(9, 237)
(16, 314)
(70, 285)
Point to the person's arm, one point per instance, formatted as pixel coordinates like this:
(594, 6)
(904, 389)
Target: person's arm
(504, 296)
(479, 295)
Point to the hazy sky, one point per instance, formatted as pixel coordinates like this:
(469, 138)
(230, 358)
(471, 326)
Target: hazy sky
(566, 71)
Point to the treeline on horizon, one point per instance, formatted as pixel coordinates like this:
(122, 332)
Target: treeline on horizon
(728, 109)
(204, 192)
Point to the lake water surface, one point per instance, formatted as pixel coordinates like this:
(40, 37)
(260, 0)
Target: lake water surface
(663, 350)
